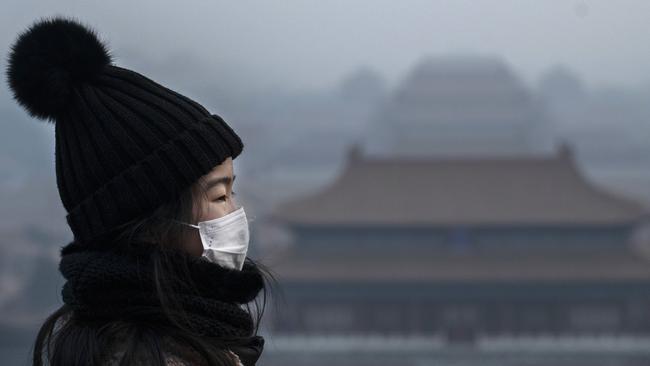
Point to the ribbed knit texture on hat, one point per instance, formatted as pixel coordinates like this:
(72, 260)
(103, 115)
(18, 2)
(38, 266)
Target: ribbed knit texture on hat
(127, 145)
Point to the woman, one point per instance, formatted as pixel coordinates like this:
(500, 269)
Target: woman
(157, 272)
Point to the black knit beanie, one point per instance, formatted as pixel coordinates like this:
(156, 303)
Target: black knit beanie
(124, 143)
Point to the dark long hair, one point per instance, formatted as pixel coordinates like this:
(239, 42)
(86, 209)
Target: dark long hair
(64, 340)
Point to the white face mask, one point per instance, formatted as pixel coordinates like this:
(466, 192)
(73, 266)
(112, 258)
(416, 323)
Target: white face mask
(225, 239)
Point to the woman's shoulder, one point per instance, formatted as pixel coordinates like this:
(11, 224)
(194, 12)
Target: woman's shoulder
(178, 354)
(174, 353)
(175, 360)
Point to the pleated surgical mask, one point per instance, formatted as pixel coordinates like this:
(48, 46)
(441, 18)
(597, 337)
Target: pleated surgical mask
(225, 239)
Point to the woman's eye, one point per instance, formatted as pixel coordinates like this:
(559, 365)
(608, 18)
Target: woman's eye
(223, 198)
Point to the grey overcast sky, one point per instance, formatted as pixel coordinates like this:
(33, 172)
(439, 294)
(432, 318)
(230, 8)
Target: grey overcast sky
(312, 44)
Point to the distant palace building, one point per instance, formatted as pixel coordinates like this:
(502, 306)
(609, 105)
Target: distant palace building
(464, 248)
(505, 254)
(460, 106)
(472, 246)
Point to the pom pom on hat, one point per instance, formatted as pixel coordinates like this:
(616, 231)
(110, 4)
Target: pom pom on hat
(49, 59)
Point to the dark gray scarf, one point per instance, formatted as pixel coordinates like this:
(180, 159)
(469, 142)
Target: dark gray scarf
(113, 283)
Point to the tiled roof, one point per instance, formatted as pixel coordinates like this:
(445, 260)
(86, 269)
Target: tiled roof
(456, 191)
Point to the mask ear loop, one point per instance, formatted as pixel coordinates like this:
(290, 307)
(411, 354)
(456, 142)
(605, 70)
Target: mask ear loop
(184, 223)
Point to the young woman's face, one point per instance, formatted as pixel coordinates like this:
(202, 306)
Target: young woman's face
(217, 201)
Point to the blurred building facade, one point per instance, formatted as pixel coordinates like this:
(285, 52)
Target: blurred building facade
(463, 251)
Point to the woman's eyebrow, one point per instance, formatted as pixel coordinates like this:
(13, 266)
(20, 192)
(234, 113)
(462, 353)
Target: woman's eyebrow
(221, 180)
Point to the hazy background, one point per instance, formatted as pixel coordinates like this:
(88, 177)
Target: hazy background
(300, 81)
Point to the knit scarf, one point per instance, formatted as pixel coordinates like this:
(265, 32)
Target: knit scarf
(116, 284)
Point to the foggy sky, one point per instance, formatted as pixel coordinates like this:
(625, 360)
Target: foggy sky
(311, 44)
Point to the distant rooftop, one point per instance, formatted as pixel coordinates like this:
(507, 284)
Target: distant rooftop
(459, 105)
(540, 190)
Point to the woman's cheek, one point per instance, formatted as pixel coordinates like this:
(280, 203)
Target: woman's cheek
(215, 210)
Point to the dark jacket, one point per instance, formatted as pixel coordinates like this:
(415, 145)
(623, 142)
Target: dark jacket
(175, 355)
